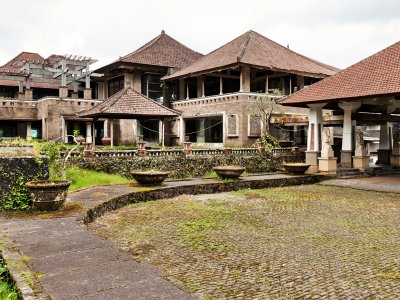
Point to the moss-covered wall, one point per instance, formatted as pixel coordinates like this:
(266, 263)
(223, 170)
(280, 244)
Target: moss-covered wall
(180, 166)
(12, 169)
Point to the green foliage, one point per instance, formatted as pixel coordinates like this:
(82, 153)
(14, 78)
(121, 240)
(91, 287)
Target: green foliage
(28, 278)
(18, 198)
(269, 142)
(84, 178)
(8, 290)
(76, 132)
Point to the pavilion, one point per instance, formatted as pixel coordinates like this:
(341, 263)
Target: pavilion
(129, 104)
(366, 93)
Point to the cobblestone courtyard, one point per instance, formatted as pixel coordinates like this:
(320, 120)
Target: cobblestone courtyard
(312, 242)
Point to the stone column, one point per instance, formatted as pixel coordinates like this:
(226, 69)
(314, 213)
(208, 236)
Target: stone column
(105, 128)
(314, 135)
(221, 86)
(300, 82)
(87, 93)
(28, 94)
(89, 138)
(200, 86)
(395, 157)
(245, 79)
(200, 138)
(28, 131)
(44, 129)
(385, 145)
(348, 129)
(63, 92)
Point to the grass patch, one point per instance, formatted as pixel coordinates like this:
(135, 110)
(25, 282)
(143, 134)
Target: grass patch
(7, 288)
(85, 178)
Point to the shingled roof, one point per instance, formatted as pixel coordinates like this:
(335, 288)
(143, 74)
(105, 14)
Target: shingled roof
(163, 51)
(377, 75)
(128, 104)
(255, 50)
(20, 60)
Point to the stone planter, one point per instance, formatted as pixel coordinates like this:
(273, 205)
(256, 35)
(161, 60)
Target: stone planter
(296, 168)
(150, 177)
(229, 171)
(48, 194)
(106, 141)
(80, 139)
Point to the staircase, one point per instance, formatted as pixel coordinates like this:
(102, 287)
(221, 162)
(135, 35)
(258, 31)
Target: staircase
(347, 173)
(382, 171)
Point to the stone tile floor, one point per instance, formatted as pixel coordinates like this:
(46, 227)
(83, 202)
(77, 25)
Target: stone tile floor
(301, 242)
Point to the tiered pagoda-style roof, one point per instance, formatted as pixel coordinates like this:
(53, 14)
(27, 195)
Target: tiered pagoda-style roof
(375, 76)
(255, 50)
(162, 51)
(129, 104)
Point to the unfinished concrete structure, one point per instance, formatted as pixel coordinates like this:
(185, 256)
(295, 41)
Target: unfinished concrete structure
(365, 94)
(217, 92)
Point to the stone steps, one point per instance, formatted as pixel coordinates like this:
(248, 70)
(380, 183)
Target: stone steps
(348, 173)
(382, 171)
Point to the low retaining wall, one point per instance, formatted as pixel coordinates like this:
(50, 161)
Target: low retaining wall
(180, 167)
(194, 189)
(14, 169)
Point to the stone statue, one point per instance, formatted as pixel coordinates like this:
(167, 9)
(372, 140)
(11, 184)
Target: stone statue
(327, 151)
(360, 148)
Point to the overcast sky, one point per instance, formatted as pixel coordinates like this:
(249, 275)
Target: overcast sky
(339, 32)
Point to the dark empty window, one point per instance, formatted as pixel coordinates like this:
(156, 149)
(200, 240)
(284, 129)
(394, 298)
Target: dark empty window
(115, 85)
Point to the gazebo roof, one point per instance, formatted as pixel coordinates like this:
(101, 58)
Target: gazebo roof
(128, 104)
(255, 50)
(373, 77)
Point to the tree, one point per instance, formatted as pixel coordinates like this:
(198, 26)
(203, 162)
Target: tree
(264, 106)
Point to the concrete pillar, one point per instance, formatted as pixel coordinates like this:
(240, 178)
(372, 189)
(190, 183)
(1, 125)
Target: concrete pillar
(187, 91)
(44, 129)
(28, 94)
(21, 96)
(300, 82)
(181, 89)
(385, 144)
(348, 133)
(314, 136)
(102, 90)
(182, 131)
(89, 137)
(105, 128)
(137, 81)
(87, 93)
(266, 84)
(221, 86)
(63, 92)
(245, 79)
(112, 133)
(28, 131)
(200, 138)
(64, 128)
(200, 86)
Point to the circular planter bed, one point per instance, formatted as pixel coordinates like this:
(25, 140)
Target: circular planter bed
(296, 168)
(48, 194)
(150, 177)
(229, 171)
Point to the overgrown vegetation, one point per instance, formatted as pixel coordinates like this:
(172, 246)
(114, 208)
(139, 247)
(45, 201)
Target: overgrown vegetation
(85, 178)
(8, 291)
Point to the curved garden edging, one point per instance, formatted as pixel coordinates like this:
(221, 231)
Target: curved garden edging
(165, 192)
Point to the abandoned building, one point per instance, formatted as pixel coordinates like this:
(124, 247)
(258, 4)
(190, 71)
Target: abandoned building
(40, 98)
(365, 95)
(216, 93)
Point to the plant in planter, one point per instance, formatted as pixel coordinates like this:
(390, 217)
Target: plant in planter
(150, 177)
(51, 194)
(78, 137)
(48, 194)
(296, 168)
(231, 171)
(106, 141)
